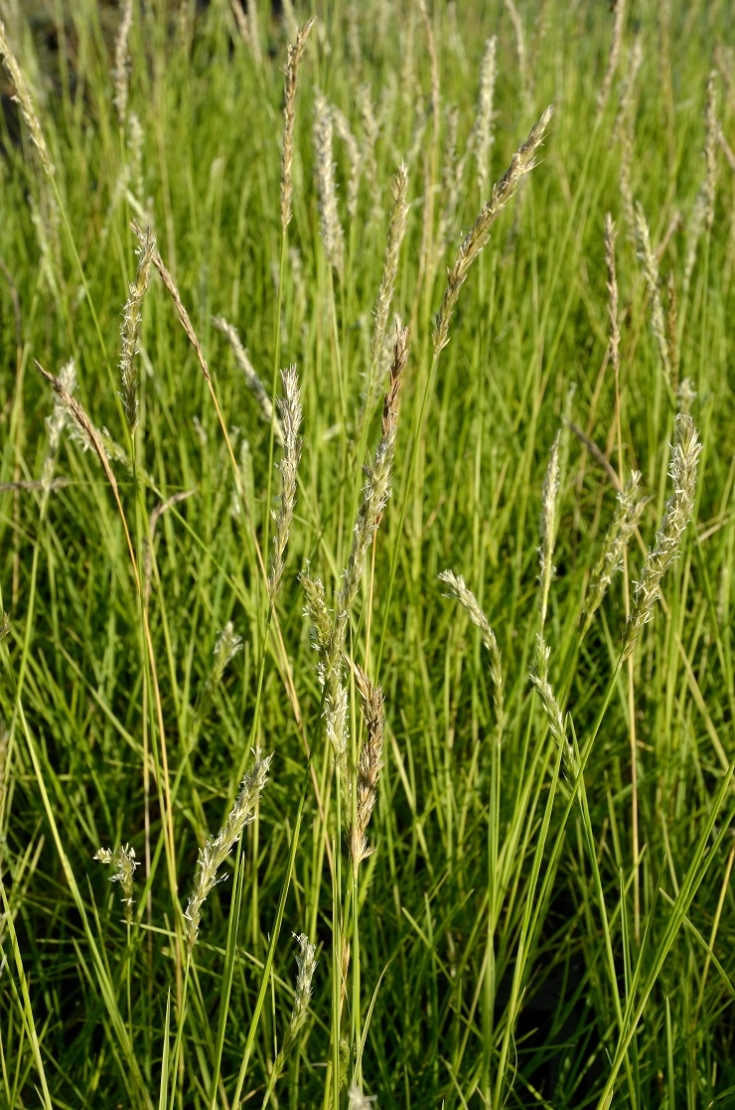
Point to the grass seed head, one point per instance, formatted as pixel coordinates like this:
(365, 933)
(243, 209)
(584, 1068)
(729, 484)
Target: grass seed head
(459, 590)
(521, 164)
(293, 61)
(24, 100)
(122, 62)
(647, 258)
(548, 524)
(685, 453)
(289, 407)
(132, 314)
(125, 863)
(333, 238)
(217, 848)
(369, 766)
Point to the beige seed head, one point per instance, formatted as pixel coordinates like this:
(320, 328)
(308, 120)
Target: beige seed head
(624, 523)
(132, 314)
(612, 290)
(521, 163)
(332, 234)
(253, 382)
(548, 524)
(396, 234)
(649, 264)
(552, 710)
(483, 129)
(459, 590)
(122, 62)
(354, 157)
(685, 453)
(377, 477)
(125, 863)
(369, 766)
(24, 100)
(289, 407)
(613, 57)
(294, 55)
(217, 848)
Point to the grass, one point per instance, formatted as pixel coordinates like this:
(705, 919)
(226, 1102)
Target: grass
(515, 862)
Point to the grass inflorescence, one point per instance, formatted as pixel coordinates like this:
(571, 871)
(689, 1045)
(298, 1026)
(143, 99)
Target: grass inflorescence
(488, 808)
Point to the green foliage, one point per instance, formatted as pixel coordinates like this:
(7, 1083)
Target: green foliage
(536, 920)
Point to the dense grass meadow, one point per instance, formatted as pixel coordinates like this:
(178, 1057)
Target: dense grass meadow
(396, 691)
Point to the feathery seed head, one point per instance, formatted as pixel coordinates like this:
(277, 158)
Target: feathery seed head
(227, 645)
(293, 61)
(521, 164)
(122, 62)
(24, 100)
(552, 710)
(317, 612)
(289, 407)
(369, 766)
(396, 233)
(132, 313)
(354, 157)
(613, 57)
(483, 128)
(648, 261)
(625, 521)
(217, 848)
(252, 381)
(548, 524)
(377, 476)
(612, 289)
(709, 185)
(685, 453)
(331, 228)
(125, 863)
(459, 590)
